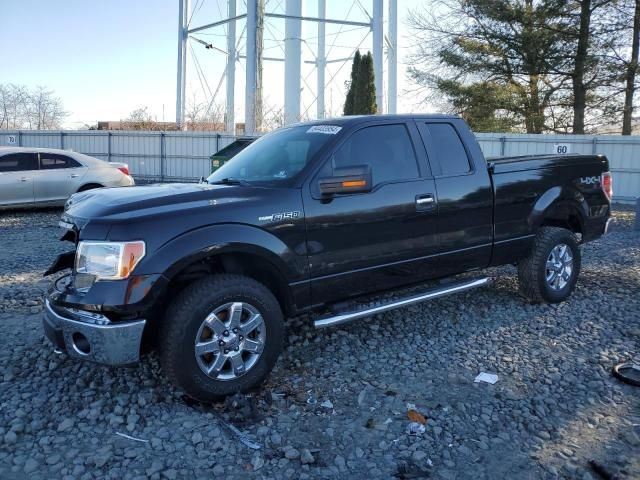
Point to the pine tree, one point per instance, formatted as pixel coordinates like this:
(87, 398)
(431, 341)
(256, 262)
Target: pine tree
(365, 94)
(349, 103)
(361, 93)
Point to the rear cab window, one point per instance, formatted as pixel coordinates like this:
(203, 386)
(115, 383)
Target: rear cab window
(18, 162)
(447, 155)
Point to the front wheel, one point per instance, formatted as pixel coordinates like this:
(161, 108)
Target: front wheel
(550, 272)
(221, 335)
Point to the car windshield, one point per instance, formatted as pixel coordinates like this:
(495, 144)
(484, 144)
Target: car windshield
(275, 157)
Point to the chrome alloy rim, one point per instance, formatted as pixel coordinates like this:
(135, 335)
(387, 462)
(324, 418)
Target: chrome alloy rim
(559, 267)
(230, 341)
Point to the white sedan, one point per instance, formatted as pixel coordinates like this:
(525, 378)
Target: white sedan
(47, 177)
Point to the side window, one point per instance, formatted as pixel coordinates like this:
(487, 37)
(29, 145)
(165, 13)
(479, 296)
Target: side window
(53, 161)
(18, 162)
(387, 148)
(447, 149)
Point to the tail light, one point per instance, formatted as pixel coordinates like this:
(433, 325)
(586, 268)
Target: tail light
(607, 184)
(124, 169)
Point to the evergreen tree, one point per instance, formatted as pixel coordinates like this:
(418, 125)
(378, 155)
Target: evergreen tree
(349, 103)
(365, 94)
(513, 46)
(551, 65)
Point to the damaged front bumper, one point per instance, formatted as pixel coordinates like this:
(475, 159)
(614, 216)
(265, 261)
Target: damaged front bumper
(92, 336)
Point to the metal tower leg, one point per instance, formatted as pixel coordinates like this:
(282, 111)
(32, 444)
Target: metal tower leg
(392, 58)
(292, 61)
(231, 69)
(252, 68)
(321, 61)
(183, 19)
(378, 15)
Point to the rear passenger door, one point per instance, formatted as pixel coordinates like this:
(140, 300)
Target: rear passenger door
(59, 177)
(17, 171)
(465, 197)
(364, 242)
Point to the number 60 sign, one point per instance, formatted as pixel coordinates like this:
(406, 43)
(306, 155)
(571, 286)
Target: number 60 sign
(561, 148)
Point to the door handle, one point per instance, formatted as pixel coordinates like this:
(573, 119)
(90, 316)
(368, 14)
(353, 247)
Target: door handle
(74, 175)
(25, 179)
(425, 202)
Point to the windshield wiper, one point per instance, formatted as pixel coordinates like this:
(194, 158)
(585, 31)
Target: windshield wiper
(231, 181)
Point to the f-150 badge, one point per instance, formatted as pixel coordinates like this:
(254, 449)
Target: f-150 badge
(276, 217)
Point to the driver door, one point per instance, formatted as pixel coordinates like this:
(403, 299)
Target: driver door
(359, 243)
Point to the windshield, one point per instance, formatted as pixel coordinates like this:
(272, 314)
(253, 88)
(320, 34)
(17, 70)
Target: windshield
(275, 157)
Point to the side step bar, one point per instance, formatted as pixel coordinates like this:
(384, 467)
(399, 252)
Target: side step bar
(449, 289)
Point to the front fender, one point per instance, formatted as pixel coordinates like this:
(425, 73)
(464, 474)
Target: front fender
(204, 242)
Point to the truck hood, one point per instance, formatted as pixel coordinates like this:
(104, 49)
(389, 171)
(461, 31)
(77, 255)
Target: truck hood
(130, 202)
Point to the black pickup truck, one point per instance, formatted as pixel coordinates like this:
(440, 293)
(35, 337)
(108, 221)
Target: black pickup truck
(318, 217)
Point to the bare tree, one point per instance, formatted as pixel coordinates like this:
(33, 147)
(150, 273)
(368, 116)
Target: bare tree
(33, 109)
(44, 110)
(203, 115)
(12, 106)
(140, 119)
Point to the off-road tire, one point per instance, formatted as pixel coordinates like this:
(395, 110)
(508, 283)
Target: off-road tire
(532, 269)
(183, 318)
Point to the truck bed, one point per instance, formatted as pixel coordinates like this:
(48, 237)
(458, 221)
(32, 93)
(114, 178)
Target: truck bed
(535, 162)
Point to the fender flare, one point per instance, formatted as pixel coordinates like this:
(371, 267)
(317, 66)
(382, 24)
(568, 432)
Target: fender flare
(556, 199)
(173, 256)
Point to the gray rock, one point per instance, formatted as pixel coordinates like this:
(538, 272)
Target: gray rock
(30, 465)
(306, 457)
(10, 438)
(291, 453)
(218, 470)
(418, 456)
(66, 424)
(257, 461)
(170, 474)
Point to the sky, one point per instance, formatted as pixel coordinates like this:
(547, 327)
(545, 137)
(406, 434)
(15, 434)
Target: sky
(107, 58)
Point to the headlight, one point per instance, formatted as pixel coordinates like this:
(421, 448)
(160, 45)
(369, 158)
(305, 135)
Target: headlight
(108, 260)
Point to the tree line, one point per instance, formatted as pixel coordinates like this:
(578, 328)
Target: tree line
(36, 108)
(534, 66)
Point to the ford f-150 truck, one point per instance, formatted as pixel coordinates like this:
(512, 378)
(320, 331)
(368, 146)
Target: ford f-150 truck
(317, 218)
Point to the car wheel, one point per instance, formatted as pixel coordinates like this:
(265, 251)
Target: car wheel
(221, 335)
(550, 272)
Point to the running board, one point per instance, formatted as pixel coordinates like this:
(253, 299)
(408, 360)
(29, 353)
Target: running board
(442, 291)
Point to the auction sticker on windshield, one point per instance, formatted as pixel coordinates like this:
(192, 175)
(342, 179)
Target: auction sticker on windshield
(326, 129)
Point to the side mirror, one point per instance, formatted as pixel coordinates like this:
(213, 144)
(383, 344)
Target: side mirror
(354, 179)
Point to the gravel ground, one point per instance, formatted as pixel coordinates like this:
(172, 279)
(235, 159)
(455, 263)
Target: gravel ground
(336, 404)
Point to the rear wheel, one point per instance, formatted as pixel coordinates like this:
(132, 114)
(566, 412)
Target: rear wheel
(221, 335)
(550, 272)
